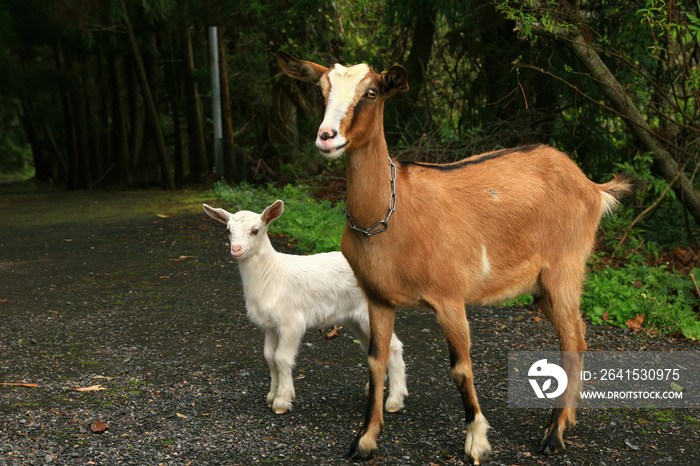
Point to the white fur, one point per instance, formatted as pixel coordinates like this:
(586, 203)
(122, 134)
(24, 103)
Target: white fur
(344, 81)
(476, 445)
(485, 263)
(288, 294)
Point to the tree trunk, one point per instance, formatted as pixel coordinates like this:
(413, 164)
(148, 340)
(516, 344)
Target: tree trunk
(76, 117)
(91, 152)
(421, 47)
(136, 121)
(120, 138)
(664, 162)
(195, 123)
(174, 81)
(233, 171)
(151, 111)
(70, 130)
(41, 165)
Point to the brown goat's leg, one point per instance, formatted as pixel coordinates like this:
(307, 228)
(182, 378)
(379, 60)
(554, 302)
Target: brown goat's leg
(381, 319)
(456, 329)
(563, 312)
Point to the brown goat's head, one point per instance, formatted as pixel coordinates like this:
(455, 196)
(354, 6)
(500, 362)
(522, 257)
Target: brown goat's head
(354, 97)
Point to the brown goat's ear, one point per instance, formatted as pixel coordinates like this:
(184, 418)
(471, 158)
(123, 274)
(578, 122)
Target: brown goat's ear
(394, 80)
(272, 212)
(300, 69)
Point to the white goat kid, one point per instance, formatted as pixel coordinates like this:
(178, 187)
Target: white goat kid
(288, 294)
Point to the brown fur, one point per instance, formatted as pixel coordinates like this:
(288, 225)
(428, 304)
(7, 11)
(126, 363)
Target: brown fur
(531, 211)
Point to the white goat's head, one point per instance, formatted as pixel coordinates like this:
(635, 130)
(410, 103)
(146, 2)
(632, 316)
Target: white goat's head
(246, 229)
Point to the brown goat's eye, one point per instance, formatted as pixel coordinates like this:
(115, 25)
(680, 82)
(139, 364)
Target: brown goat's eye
(371, 93)
(319, 92)
(254, 232)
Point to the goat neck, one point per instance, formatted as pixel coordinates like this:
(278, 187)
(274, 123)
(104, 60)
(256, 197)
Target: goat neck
(368, 181)
(260, 262)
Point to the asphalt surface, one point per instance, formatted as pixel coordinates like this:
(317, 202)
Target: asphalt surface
(124, 317)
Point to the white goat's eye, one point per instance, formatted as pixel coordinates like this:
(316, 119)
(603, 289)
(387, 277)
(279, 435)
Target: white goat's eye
(372, 93)
(254, 232)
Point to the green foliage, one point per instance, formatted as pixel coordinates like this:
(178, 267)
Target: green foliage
(15, 154)
(662, 227)
(314, 226)
(665, 298)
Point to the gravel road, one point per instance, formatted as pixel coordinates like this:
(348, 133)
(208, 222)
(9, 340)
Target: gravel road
(131, 298)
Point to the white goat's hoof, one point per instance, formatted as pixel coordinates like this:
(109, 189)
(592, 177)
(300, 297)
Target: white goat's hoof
(281, 407)
(394, 403)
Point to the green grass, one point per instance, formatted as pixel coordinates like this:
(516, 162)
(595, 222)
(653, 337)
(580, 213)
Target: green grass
(314, 226)
(665, 298)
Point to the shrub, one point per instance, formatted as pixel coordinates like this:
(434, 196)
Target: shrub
(315, 226)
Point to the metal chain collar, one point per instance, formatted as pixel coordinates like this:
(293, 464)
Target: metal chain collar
(382, 224)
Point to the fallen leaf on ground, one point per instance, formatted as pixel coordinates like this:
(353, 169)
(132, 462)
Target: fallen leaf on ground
(91, 388)
(333, 333)
(19, 384)
(103, 377)
(164, 216)
(676, 388)
(181, 258)
(636, 323)
(605, 316)
(98, 427)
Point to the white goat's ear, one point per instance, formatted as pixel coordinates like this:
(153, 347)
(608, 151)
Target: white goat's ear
(218, 214)
(272, 212)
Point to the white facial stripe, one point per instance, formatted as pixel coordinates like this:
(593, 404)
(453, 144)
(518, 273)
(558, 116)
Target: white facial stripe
(344, 82)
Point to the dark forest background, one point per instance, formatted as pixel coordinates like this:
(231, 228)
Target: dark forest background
(117, 93)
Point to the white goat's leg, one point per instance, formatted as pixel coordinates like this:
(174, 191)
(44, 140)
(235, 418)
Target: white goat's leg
(270, 350)
(287, 347)
(396, 372)
(361, 332)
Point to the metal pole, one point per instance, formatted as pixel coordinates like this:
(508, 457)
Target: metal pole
(216, 101)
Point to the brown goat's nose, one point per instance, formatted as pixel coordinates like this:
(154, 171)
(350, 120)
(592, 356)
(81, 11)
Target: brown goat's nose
(325, 135)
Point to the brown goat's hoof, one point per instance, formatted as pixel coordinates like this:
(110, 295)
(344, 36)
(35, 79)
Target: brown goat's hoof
(551, 445)
(358, 451)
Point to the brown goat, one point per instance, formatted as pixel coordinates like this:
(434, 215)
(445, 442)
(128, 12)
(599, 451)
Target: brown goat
(479, 231)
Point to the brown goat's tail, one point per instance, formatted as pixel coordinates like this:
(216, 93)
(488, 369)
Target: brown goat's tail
(613, 191)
